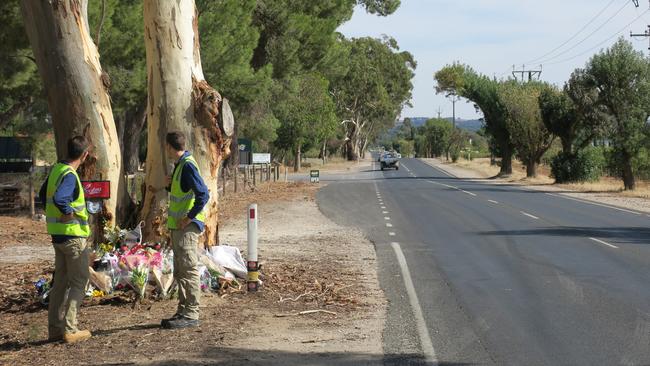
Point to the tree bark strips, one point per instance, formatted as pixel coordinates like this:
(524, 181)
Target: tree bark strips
(77, 90)
(179, 99)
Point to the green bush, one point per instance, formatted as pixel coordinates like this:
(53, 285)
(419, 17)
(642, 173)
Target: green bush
(584, 166)
(642, 164)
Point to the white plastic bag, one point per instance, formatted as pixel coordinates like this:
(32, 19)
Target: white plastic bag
(230, 258)
(134, 237)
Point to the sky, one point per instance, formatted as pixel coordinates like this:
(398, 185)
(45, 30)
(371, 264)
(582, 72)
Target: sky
(493, 35)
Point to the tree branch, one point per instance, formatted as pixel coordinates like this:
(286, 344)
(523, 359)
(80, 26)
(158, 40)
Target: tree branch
(100, 25)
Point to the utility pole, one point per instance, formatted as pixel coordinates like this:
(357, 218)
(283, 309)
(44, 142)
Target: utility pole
(523, 71)
(454, 99)
(645, 34)
(439, 112)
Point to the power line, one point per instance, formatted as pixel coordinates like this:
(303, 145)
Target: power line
(601, 43)
(587, 37)
(593, 19)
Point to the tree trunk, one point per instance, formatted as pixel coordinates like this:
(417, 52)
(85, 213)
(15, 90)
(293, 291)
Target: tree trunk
(296, 160)
(628, 175)
(179, 99)
(76, 87)
(134, 122)
(323, 152)
(350, 153)
(506, 160)
(531, 169)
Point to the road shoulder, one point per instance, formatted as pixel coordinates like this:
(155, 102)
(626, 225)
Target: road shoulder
(604, 198)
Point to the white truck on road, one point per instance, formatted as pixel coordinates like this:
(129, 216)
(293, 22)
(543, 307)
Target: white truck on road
(389, 160)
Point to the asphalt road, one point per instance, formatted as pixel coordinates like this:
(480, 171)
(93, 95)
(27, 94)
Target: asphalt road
(501, 275)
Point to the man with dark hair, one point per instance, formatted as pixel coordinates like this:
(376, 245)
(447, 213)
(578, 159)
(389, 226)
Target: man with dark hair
(176, 140)
(186, 217)
(67, 223)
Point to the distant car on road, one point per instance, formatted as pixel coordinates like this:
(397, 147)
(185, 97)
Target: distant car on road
(389, 160)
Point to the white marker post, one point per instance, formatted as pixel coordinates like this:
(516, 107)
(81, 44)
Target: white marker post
(253, 268)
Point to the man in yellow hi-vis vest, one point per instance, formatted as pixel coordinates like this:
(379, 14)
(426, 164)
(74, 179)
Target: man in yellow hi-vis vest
(188, 196)
(67, 223)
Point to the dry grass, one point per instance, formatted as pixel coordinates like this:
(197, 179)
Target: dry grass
(609, 185)
(333, 164)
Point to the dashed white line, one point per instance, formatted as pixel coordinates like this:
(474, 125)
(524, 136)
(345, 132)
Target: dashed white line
(384, 212)
(529, 215)
(388, 224)
(493, 201)
(407, 169)
(384, 207)
(452, 187)
(386, 218)
(604, 243)
(423, 331)
(391, 233)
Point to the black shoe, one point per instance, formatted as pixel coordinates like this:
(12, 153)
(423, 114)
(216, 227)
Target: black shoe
(165, 322)
(181, 322)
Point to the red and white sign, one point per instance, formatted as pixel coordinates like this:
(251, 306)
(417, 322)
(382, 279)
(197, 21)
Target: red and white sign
(97, 189)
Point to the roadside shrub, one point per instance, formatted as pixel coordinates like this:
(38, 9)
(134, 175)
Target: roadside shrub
(584, 166)
(641, 164)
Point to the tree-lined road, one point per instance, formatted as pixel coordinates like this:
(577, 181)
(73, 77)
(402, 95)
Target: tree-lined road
(500, 274)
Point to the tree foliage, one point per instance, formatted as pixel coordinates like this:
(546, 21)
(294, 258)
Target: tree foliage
(374, 90)
(524, 122)
(620, 79)
(462, 80)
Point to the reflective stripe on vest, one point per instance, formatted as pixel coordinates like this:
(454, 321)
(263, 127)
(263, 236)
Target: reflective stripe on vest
(78, 226)
(180, 203)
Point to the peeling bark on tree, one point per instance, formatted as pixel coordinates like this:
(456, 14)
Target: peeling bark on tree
(77, 90)
(179, 99)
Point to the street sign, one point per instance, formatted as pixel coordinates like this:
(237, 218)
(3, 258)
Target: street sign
(261, 158)
(314, 176)
(97, 189)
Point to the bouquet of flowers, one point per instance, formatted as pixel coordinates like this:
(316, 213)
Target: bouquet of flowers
(136, 265)
(139, 278)
(163, 271)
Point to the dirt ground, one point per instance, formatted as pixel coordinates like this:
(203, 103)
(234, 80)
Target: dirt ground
(607, 190)
(309, 263)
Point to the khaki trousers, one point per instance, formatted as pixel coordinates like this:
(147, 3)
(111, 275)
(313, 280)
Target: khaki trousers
(186, 270)
(70, 274)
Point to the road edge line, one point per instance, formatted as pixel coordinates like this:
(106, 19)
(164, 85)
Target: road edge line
(425, 338)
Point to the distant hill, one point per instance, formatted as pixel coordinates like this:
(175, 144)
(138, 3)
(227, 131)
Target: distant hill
(466, 124)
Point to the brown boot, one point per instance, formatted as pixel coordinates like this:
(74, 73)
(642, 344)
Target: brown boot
(78, 336)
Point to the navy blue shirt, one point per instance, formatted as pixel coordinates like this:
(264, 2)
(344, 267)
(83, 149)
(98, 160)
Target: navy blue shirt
(191, 181)
(66, 193)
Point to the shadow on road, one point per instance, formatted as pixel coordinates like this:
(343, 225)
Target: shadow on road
(235, 357)
(631, 235)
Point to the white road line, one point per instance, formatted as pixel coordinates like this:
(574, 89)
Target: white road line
(604, 243)
(384, 212)
(493, 201)
(452, 187)
(423, 331)
(594, 203)
(529, 215)
(405, 167)
(384, 207)
(386, 218)
(391, 233)
(388, 224)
